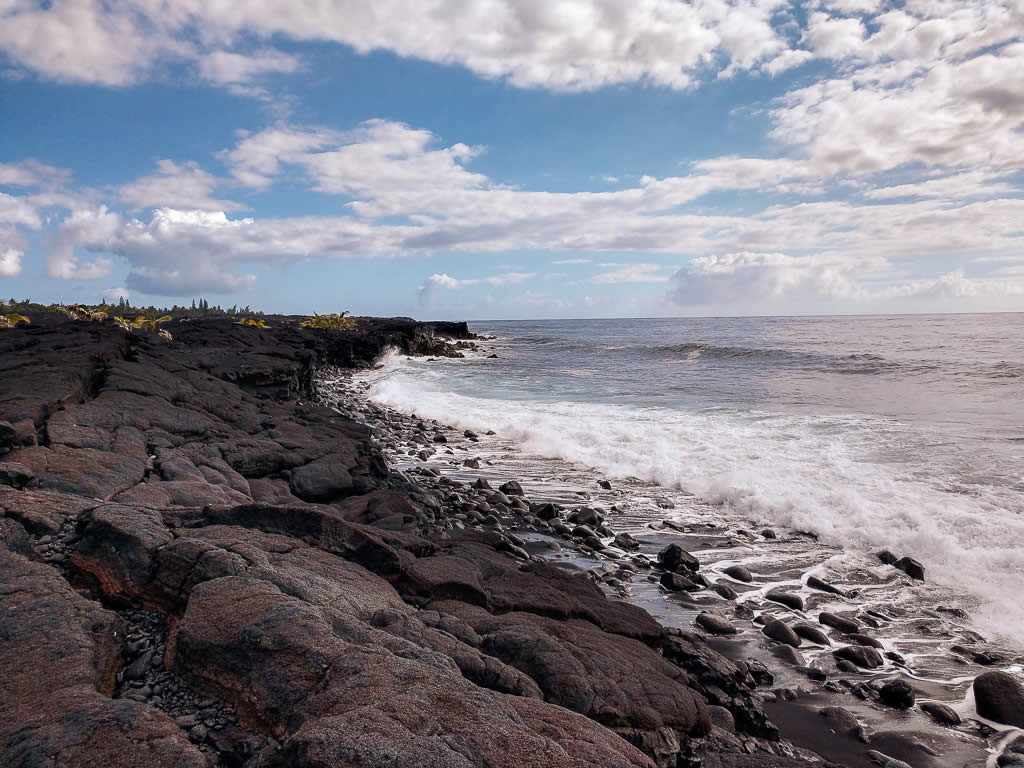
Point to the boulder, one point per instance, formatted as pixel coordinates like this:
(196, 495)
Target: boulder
(847, 626)
(715, 624)
(511, 488)
(815, 583)
(911, 567)
(887, 557)
(897, 693)
(675, 582)
(861, 655)
(941, 713)
(625, 541)
(780, 631)
(787, 599)
(739, 572)
(325, 479)
(673, 558)
(725, 590)
(999, 696)
(812, 633)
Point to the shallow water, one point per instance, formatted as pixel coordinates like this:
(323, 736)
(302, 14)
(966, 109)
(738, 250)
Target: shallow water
(905, 433)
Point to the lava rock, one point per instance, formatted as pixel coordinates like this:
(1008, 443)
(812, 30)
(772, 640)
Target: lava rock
(739, 572)
(887, 557)
(911, 567)
(625, 541)
(16, 475)
(675, 582)
(725, 590)
(780, 631)
(941, 713)
(847, 626)
(787, 599)
(812, 633)
(715, 624)
(815, 583)
(999, 696)
(897, 694)
(673, 557)
(511, 488)
(861, 655)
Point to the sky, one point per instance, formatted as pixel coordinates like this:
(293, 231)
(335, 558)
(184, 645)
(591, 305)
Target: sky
(500, 159)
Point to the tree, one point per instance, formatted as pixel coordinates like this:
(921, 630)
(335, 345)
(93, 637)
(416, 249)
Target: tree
(193, 305)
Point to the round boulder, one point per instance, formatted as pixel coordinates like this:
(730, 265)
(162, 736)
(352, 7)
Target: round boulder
(715, 624)
(780, 631)
(739, 573)
(787, 599)
(999, 696)
(897, 694)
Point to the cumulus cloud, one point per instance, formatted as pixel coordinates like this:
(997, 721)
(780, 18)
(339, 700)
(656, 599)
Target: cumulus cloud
(185, 186)
(563, 44)
(10, 262)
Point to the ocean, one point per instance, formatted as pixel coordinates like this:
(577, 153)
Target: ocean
(904, 433)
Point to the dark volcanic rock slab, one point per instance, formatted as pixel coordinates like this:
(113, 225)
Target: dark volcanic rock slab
(340, 693)
(59, 653)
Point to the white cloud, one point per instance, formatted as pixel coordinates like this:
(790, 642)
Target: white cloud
(631, 273)
(444, 281)
(571, 261)
(32, 173)
(10, 262)
(185, 186)
(561, 44)
(227, 67)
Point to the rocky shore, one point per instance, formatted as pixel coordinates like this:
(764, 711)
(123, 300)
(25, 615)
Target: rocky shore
(208, 558)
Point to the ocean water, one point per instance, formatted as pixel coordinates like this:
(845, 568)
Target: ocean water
(901, 432)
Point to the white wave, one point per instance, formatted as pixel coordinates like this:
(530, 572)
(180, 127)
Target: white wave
(804, 473)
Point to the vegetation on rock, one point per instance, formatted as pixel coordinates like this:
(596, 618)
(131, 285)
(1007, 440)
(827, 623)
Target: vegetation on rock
(332, 322)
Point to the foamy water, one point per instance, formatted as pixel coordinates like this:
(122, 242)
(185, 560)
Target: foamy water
(926, 485)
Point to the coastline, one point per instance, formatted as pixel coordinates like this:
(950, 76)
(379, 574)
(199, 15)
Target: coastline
(201, 567)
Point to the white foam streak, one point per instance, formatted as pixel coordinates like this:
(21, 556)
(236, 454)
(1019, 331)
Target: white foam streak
(808, 474)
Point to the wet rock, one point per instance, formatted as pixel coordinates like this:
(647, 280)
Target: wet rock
(625, 541)
(839, 719)
(471, 463)
(511, 488)
(941, 713)
(847, 626)
(605, 484)
(725, 590)
(546, 512)
(788, 654)
(787, 599)
(911, 567)
(780, 631)
(861, 655)
(815, 583)
(999, 696)
(739, 572)
(481, 484)
(883, 760)
(673, 558)
(812, 633)
(715, 624)
(470, 434)
(859, 639)
(897, 694)
(439, 438)
(887, 557)
(675, 582)
(585, 516)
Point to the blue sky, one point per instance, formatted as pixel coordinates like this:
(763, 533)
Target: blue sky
(515, 158)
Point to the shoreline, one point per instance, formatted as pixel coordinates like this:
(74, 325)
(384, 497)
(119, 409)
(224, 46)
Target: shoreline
(199, 566)
(804, 685)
